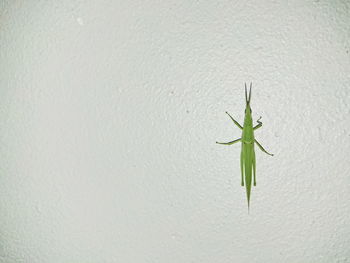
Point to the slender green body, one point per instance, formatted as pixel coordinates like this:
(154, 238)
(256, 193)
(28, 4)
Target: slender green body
(247, 153)
(248, 161)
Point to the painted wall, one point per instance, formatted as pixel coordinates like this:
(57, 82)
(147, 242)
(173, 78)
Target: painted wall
(109, 113)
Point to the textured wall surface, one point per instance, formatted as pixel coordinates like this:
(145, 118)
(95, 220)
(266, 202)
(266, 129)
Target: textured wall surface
(109, 113)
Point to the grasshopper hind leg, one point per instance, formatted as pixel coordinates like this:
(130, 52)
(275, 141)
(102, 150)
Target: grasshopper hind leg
(254, 168)
(242, 167)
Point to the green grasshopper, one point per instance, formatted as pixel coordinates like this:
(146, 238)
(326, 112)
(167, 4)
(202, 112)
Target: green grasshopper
(248, 163)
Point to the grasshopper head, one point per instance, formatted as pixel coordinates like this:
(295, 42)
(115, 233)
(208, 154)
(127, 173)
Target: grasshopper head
(248, 110)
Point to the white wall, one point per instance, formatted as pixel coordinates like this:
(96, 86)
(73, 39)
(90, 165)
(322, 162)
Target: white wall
(109, 113)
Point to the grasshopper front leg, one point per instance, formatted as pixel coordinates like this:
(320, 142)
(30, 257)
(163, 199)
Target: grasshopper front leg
(236, 122)
(258, 125)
